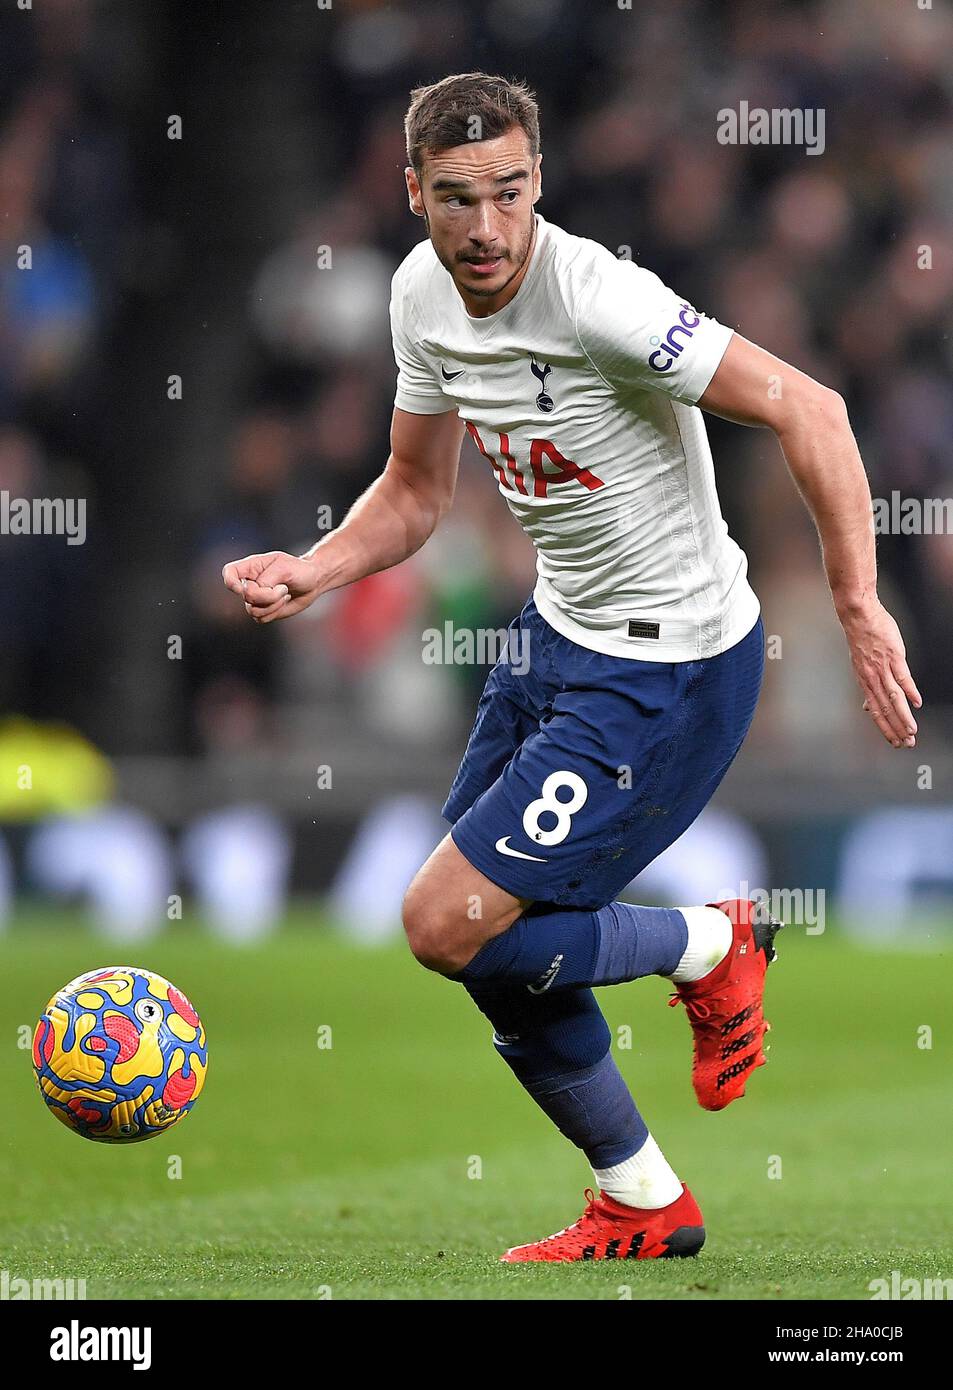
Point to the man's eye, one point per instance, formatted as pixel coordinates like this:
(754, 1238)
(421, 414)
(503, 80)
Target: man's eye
(510, 195)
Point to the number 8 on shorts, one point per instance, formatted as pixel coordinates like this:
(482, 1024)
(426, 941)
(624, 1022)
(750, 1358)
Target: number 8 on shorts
(562, 810)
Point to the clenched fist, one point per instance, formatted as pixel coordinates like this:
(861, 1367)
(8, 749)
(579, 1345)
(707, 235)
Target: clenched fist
(273, 585)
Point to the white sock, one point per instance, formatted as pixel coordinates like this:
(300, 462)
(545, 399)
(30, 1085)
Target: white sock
(644, 1180)
(709, 941)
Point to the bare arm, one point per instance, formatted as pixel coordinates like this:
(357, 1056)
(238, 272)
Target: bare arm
(752, 387)
(392, 520)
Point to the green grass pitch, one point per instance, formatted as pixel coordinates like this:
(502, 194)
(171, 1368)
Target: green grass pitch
(401, 1160)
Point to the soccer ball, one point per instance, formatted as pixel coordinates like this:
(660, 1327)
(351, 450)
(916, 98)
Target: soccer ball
(120, 1055)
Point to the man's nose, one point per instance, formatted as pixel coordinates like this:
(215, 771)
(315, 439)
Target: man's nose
(483, 227)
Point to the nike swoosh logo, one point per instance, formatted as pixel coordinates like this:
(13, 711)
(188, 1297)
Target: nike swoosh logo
(504, 848)
(450, 376)
(544, 981)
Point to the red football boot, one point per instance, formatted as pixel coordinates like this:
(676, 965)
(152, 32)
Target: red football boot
(607, 1230)
(725, 1007)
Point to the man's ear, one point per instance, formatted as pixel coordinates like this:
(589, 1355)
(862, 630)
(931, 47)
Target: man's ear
(414, 195)
(537, 179)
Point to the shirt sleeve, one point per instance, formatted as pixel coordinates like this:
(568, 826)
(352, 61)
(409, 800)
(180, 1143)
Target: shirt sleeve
(418, 388)
(639, 333)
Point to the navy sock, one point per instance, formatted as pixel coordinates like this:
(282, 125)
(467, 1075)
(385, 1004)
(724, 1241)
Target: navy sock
(558, 1047)
(549, 946)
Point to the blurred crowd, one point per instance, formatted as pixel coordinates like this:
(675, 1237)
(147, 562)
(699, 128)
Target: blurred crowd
(819, 259)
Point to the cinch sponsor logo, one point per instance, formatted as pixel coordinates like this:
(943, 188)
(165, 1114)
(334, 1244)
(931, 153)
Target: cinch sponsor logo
(75, 1343)
(671, 347)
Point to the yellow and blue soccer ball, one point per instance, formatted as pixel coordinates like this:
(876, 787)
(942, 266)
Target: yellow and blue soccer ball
(120, 1055)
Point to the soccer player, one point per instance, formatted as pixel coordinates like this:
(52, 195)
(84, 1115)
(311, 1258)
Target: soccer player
(581, 380)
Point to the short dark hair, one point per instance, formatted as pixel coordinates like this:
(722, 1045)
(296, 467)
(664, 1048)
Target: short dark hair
(450, 111)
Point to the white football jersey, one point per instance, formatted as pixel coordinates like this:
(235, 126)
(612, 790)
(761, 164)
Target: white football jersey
(580, 394)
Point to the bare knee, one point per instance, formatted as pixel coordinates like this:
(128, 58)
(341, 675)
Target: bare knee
(451, 910)
(433, 932)
(445, 934)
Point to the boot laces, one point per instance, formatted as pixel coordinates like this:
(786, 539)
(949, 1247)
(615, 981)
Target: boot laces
(703, 1016)
(583, 1229)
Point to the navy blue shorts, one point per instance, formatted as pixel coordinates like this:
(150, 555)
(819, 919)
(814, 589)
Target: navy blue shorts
(584, 768)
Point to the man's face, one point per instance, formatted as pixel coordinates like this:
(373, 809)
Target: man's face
(477, 201)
